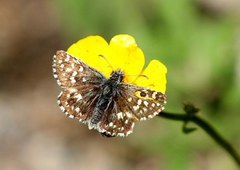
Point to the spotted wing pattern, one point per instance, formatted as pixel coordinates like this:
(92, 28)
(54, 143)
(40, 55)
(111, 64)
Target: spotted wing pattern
(144, 102)
(79, 102)
(70, 71)
(118, 119)
(80, 83)
(131, 102)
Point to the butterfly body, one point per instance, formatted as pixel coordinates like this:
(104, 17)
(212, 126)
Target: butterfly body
(108, 105)
(108, 90)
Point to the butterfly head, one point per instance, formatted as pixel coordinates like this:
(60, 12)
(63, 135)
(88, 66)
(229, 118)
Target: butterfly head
(117, 75)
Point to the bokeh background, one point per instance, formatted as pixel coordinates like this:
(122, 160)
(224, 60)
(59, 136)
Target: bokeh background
(198, 41)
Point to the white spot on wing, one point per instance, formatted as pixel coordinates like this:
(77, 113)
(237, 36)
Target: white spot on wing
(71, 116)
(68, 69)
(133, 125)
(67, 59)
(154, 95)
(128, 132)
(60, 94)
(143, 118)
(74, 73)
(146, 103)
(121, 134)
(139, 101)
(120, 115)
(73, 81)
(128, 114)
(77, 109)
(72, 90)
(59, 83)
(73, 65)
(79, 96)
(136, 107)
(80, 68)
(62, 108)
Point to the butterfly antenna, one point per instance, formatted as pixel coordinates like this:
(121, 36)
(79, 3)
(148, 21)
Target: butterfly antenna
(137, 75)
(113, 69)
(106, 61)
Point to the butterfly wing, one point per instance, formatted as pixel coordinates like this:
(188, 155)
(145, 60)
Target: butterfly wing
(143, 102)
(81, 84)
(79, 102)
(70, 71)
(129, 103)
(117, 119)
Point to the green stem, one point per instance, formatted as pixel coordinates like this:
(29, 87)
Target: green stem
(208, 128)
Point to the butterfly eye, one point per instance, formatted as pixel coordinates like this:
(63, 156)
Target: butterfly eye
(143, 94)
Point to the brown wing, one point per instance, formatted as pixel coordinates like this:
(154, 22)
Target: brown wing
(79, 102)
(70, 71)
(142, 101)
(118, 119)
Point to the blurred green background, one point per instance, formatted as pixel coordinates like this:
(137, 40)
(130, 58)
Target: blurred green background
(198, 41)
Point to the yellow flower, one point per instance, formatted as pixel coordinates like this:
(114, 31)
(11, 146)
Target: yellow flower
(122, 52)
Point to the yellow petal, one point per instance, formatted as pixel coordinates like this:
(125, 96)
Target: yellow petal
(89, 49)
(156, 73)
(124, 53)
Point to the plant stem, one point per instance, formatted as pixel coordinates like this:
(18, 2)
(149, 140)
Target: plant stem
(208, 128)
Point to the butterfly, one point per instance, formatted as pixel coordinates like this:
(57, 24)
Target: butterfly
(108, 105)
